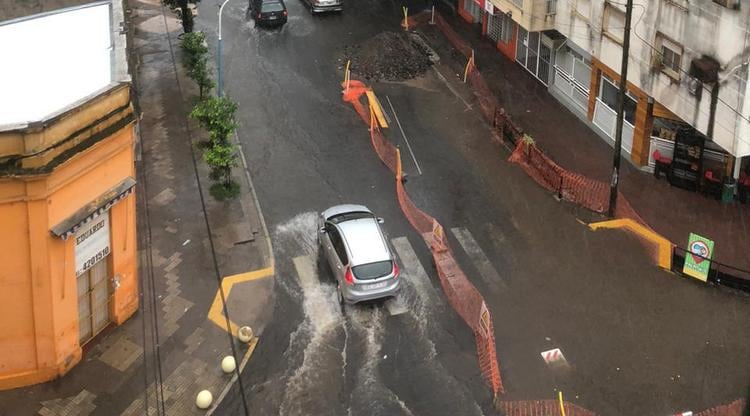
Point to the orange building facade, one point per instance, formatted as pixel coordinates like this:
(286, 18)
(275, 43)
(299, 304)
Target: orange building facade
(68, 255)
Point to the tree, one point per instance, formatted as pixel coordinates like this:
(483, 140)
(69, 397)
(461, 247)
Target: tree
(221, 158)
(216, 115)
(194, 46)
(199, 73)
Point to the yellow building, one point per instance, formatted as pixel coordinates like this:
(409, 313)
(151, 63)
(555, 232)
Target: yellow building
(68, 265)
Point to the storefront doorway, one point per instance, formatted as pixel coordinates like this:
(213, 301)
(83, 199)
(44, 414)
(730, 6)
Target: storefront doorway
(93, 301)
(93, 276)
(534, 53)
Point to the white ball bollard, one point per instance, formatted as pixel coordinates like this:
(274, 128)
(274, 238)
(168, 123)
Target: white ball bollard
(228, 364)
(245, 334)
(204, 399)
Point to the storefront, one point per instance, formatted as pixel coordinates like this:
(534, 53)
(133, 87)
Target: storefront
(502, 30)
(470, 10)
(695, 162)
(534, 52)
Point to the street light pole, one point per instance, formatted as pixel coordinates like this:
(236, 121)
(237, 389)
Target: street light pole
(620, 111)
(220, 85)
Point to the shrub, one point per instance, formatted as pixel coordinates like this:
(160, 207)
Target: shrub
(216, 115)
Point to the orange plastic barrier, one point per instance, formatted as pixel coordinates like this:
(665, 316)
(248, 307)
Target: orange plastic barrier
(732, 409)
(542, 408)
(461, 294)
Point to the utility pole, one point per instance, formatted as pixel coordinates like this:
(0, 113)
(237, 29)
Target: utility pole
(620, 111)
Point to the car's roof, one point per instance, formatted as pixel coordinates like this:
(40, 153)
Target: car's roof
(365, 241)
(344, 208)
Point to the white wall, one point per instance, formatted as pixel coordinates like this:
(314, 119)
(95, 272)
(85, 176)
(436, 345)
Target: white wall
(702, 28)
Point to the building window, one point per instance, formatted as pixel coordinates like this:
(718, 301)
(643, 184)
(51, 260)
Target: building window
(680, 4)
(730, 4)
(613, 24)
(518, 3)
(583, 9)
(609, 92)
(669, 56)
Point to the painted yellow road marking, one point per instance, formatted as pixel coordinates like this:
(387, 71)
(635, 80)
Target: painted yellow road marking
(216, 312)
(375, 105)
(664, 246)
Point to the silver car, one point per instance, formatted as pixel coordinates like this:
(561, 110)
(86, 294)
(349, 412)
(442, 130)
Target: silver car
(357, 250)
(325, 5)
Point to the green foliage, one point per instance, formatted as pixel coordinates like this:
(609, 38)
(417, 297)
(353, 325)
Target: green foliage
(194, 47)
(199, 73)
(216, 115)
(222, 191)
(221, 158)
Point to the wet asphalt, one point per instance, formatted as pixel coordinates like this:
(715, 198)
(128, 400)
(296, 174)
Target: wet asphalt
(638, 340)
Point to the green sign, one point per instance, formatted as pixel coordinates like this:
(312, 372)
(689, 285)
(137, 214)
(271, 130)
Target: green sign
(697, 259)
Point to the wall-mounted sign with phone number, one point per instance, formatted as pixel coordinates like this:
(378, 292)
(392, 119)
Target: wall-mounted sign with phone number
(92, 243)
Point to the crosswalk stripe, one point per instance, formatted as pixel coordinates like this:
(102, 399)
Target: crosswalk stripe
(305, 271)
(412, 267)
(477, 256)
(395, 306)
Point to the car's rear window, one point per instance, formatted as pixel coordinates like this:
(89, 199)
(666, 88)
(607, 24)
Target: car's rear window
(274, 6)
(373, 270)
(339, 218)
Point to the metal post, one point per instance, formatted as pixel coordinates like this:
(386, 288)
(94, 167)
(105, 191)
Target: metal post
(220, 86)
(620, 111)
(432, 16)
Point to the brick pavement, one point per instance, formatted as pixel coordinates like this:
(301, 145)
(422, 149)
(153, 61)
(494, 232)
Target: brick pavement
(174, 255)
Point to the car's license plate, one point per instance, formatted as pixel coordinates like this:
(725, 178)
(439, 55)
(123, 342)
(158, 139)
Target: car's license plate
(273, 17)
(375, 286)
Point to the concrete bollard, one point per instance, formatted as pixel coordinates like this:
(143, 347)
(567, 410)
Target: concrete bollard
(204, 399)
(228, 364)
(245, 334)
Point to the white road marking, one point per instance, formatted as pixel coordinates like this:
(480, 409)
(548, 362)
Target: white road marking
(477, 256)
(412, 268)
(395, 306)
(305, 271)
(450, 87)
(403, 134)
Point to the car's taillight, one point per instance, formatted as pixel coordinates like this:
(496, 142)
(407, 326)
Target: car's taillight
(285, 13)
(349, 276)
(395, 269)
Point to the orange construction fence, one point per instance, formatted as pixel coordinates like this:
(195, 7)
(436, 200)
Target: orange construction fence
(461, 294)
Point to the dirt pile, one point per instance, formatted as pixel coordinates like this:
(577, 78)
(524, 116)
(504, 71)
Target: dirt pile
(389, 56)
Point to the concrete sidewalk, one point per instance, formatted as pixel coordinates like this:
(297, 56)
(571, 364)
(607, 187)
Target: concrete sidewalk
(670, 211)
(182, 254)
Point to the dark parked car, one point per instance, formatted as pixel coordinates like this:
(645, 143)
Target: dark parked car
(269, 12)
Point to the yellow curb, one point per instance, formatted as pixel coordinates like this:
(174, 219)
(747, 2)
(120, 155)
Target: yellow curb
(216, 312)
(664, 246)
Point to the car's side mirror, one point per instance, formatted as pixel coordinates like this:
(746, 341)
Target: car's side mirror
(322, 230)
(380, 220)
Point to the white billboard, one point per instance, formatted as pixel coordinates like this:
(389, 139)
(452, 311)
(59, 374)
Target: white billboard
(52, 60)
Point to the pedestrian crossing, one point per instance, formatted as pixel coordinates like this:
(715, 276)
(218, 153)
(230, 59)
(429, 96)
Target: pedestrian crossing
(482, 263)
(423, 288)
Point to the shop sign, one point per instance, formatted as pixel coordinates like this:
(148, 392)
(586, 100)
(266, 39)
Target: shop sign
(92, 243)
(697, 259)
(489, 7)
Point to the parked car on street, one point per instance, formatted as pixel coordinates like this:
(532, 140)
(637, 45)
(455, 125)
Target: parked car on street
(325, 5)
(356, 248)
(269, 12)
